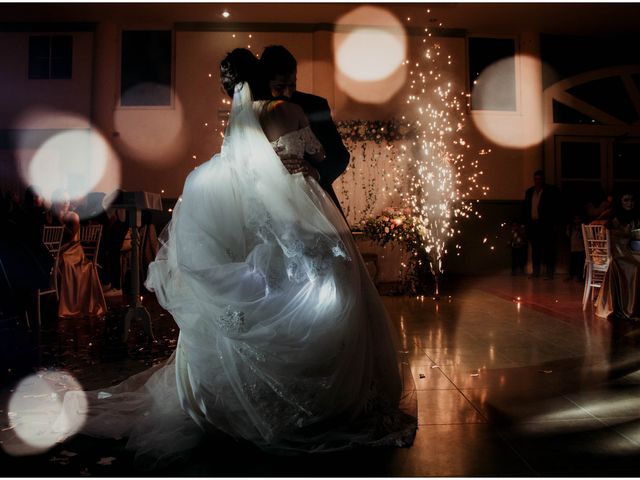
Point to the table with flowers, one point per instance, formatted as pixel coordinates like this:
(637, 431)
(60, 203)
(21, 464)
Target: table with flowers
(391, 247)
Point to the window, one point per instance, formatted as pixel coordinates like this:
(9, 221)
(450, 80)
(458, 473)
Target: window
(145, 78)
(582, 167)
(609, 95)
(50, 56)
(496, 90)
(626, 168)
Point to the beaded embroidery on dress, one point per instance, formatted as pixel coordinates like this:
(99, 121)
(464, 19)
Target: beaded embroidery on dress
(284, 341)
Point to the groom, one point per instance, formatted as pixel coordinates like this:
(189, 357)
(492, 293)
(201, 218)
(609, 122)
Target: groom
(281, 69)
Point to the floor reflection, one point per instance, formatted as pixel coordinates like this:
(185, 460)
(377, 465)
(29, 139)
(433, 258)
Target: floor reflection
(513, 379)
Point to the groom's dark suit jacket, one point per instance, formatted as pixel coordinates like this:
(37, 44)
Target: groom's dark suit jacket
(337, 156)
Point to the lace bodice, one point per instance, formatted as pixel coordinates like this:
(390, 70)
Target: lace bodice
(297, 143)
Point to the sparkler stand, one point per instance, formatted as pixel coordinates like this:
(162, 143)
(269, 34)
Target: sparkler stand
(134, 203)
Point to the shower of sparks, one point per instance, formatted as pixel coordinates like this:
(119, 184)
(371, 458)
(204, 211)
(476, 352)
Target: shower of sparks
(443, 182)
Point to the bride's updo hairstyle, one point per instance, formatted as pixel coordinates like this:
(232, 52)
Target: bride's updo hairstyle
(242, 66)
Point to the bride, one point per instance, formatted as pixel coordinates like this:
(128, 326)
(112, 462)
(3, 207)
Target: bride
(284, 341)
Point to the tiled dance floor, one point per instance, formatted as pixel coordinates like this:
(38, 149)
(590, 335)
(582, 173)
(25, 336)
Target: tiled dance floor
(513, 379)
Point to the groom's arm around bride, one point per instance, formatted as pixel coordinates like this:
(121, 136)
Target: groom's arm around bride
(281, 69)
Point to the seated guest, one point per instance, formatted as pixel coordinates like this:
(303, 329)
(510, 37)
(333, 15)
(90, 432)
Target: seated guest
(600, 207)
(626, 216)
(80, 290)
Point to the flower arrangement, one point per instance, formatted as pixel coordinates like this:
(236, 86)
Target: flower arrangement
(392, 225)
(398, 225)
(377, 131)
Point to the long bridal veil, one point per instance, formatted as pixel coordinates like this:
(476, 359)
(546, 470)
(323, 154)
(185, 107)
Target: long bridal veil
(284, 341)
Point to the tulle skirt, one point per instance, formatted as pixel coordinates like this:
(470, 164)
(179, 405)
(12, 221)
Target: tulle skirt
(290, 349)
(284, 341)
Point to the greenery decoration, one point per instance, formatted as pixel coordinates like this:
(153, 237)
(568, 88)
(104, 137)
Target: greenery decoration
(377, 131)
(399, 226)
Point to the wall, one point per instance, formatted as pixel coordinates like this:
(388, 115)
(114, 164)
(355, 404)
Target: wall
(157, 145)
(21, 94)
(33, 110)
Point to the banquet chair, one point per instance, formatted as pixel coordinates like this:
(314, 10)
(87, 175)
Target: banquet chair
(597, 247)
(52, 240)
(90, 236)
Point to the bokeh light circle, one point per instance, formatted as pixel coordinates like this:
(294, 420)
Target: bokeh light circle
(370, 55)
(76, 157)
(511, 129)
(36, 414)
(152, 135)
(72, 160)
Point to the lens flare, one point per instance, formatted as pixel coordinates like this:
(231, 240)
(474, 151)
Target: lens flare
(372, 92)
(36, 417)
(517, 129)
(154, 136)
(61, 150)
(370, 56)
(75, 160)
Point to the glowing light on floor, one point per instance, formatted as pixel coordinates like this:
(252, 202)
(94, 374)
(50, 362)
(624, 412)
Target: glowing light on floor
(614, 408)
(154, 136)
(36, 417)
(370, 58)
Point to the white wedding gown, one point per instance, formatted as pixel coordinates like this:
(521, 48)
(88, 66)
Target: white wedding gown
(284, 341)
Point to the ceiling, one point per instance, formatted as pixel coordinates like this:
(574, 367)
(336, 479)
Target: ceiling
(507, 17)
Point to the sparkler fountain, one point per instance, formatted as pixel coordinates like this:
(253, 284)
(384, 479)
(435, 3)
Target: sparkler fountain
(441, 180)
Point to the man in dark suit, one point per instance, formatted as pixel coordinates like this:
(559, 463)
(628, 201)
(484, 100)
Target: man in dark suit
(541, 210)
(281, 69)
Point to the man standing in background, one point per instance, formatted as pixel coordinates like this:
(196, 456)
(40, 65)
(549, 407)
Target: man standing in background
(541, 205)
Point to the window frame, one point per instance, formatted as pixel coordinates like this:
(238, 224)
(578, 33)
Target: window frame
(517, 73)
(172, 88)
(50, 37)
